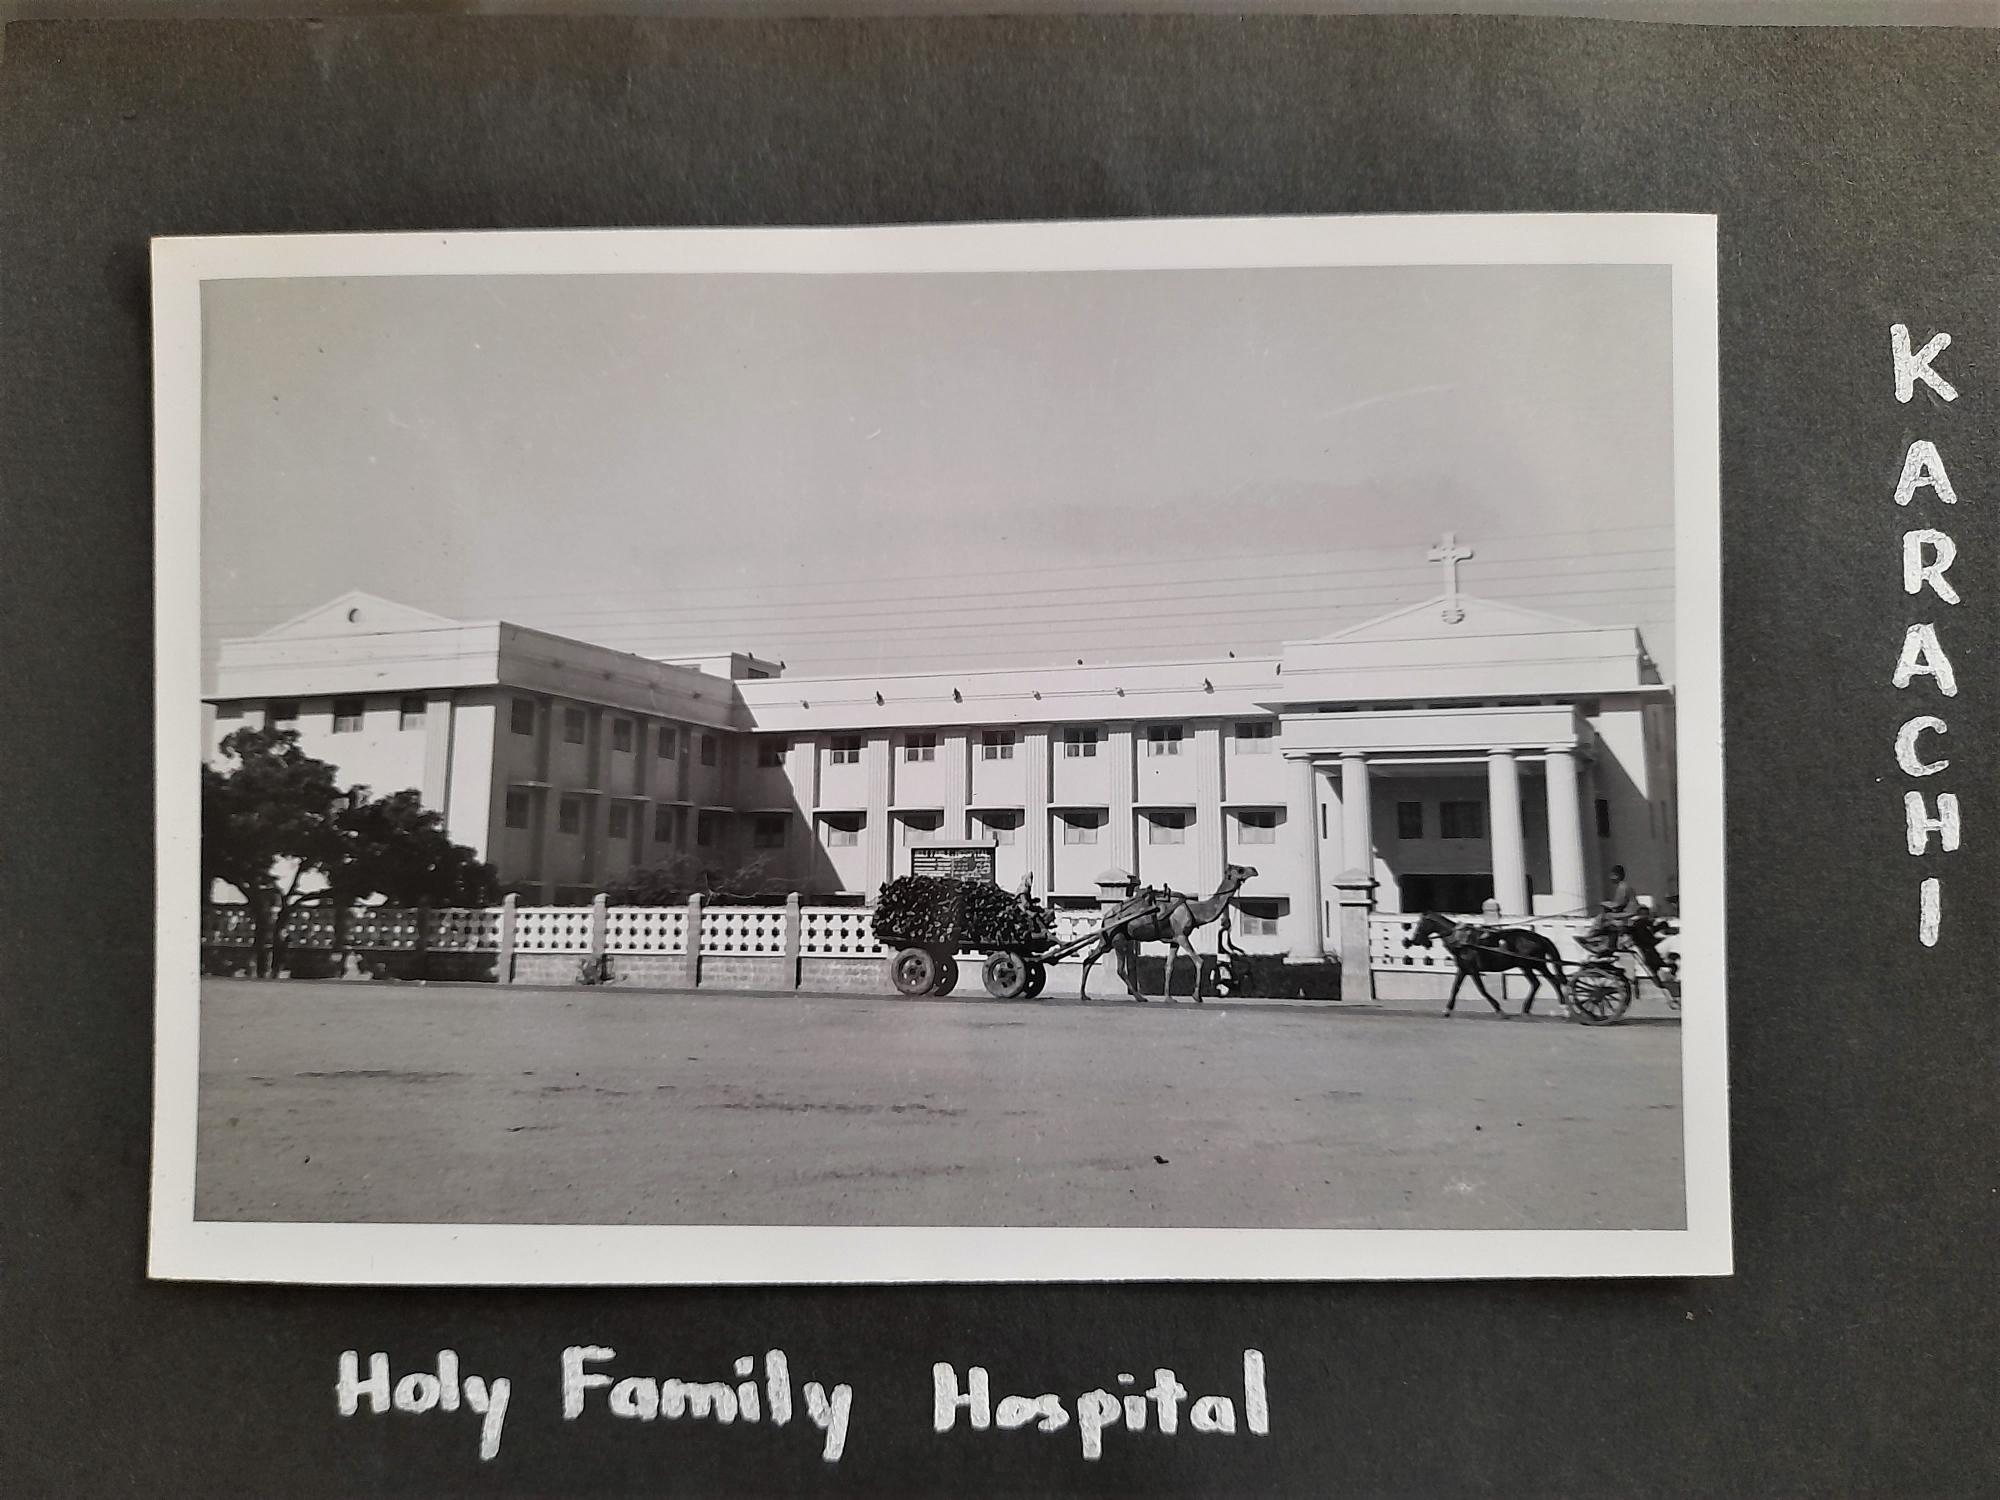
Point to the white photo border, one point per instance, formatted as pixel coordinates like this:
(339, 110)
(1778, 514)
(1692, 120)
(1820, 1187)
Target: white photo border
(184, 1248)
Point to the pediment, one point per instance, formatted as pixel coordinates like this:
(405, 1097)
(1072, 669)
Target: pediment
(356, 613)
(1430, 621)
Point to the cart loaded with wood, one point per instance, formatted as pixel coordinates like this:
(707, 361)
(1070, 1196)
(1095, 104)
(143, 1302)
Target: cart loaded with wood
(930, 921)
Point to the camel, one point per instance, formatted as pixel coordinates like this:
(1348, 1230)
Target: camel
(1161, 917)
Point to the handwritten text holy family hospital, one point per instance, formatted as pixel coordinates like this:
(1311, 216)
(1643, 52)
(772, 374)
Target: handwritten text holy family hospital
(762, 1396)
(1928, 553)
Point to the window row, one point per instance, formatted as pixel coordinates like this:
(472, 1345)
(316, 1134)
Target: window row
(348, 713)
(524, 717)
(621, 821)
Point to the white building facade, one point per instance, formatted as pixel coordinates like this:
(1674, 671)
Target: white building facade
(1451, 753)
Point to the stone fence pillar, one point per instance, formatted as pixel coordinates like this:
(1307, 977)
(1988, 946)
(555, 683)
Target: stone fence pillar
(504, 963)
(693, 973)
(794, 926)
(600, 924)
(1356, 890)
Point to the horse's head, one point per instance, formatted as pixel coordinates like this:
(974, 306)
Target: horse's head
(1429, 925)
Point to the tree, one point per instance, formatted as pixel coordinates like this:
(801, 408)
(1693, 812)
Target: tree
(396, 848)
(672, 882)
(279, 828)
(269, 828)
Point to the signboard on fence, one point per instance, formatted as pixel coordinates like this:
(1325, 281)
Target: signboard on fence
(964, 861)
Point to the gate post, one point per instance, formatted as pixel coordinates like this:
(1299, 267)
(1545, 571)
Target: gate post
(504, 963)
(1357, 902)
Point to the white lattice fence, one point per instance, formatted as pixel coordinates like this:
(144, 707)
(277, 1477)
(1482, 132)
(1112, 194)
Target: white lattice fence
(838, 932)
(465, 929)
(1387, 930)
(552, 929)
(743, 930)
(645, 929)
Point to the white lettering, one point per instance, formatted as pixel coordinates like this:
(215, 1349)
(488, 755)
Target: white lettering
(1213, 1414)
(1919, 573)
(350, 1388)
(1921, 825)
(1929, 912)
(1922, 466)
(829, 1415)
(945, 1399)
(1908, 756)
(490, 1402)
(1910, 368)
(1256, 1406)
(1095, 1411)
(575, 1382)
(1922, 656)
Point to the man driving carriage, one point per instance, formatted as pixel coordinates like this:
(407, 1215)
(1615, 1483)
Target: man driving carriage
(1624, 916)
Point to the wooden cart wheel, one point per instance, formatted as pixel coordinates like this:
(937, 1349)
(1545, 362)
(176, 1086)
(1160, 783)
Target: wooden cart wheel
(913, 971)
(1038, 978)
(1599, 994)
(947, 974)
(1006, 976)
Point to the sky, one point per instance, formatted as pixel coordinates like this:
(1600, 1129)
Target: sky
(875, 473)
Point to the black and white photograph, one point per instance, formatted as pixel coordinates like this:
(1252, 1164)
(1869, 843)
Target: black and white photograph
(1068, 751)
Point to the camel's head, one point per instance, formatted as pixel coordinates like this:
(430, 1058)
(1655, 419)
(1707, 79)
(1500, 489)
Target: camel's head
(1239, 875)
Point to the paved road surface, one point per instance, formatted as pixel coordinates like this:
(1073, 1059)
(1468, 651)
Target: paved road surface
(403, 1103)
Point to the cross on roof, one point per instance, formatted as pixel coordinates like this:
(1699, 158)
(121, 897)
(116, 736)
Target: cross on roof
(1451, 555)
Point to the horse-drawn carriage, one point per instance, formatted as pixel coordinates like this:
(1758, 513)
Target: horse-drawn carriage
(1594, 992)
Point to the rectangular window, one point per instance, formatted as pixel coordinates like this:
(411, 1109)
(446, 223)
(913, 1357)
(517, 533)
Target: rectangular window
(919, 747)
(996, 744)
(842, 830)
(1253, 736)
(708, 749)
(569, 815)
(621, 736)
(708, 829)
(1001, 827)
(921, 827)
(1166, 827)
(845, 750)
(1409, 820)
(573, 723)
(1603, 818)
(1163, 739)
(1257, 825)
(1258, 918)
(620, 821)
(1081, 827)
(521, 717)
(347, 715)
(520, 806)
(768, 832)
(1462, 820)
(410, 712)
(663, 825)
(281, 711)
(666, 742)
(771, 752)
(1079, 743)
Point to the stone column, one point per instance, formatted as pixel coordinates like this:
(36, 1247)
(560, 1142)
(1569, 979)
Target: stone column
(1503, 813)
(1035, 815)
(955, 751)
(1357, 814)
(881, 836)
(1567, 866)
(1210, 843)
(1124, 849)
(1355, 890)
(1305, 943)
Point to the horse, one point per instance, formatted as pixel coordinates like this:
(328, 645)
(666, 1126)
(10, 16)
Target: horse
(1488, 950)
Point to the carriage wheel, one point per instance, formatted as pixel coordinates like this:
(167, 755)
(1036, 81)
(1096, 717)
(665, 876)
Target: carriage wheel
(1038, 978)
(1006, 976)
(913, 971)
(1599, 995)
(947, 975)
